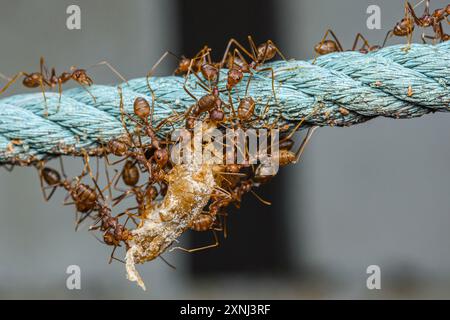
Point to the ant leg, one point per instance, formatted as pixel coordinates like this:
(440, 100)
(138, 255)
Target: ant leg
(43, 67)
(131, 216)
(80, 220)
(215, 244)
(41, 85)
(149, 74)
(8, 167)
(61, 164)
(60, 94)
(224, 224)
(240, 46)
(425, 36)
(117, 177)
(232, 105)
(113, 70)
(389, 35)
(111, 258)
(88, 91)
(278, 50)
(357, 38)
(253, 46)
(43, 188)
(200, 82)
(167, 262)
(273, 82)
(109, 181)
(268, 203)
(305, 141)
(44, 193)
(12, 80)
(88, 167)
(122, 197)
(411, 11)
(289, 136)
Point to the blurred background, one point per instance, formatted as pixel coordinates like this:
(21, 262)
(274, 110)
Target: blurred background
(373, 194)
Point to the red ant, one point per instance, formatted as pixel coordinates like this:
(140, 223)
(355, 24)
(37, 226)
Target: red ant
(44, 79)
(405, 27)
(432, 20)
(185, 65)
(84, 196)
(238, 65)
(326, 46)
(113, 232)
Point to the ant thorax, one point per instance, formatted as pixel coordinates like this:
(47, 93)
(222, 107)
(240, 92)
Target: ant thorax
(190, 189)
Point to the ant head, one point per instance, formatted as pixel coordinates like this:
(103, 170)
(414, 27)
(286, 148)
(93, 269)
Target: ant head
(216, 115)
(151, 193)
(190, 123)
(81, 77)
(161, 157)
(235, 76)
(183, 65)
(404, 27)
(51, 176)
(209, 72)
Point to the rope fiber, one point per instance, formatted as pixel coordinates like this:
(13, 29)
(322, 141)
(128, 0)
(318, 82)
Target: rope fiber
(339, 89)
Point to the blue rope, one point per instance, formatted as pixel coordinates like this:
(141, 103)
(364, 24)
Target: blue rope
(339, 89)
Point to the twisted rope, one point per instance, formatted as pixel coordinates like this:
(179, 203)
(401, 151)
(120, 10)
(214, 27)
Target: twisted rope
(339, 89)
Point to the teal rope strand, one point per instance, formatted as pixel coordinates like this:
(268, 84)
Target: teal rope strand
(366, 85)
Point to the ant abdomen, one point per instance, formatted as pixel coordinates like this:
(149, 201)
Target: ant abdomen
(202, 223)
(51, 176)
(130, 174)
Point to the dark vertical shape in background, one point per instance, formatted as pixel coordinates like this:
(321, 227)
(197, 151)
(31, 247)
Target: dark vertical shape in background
(257, 240)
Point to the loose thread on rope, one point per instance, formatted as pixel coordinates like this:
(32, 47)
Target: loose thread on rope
(339, 89)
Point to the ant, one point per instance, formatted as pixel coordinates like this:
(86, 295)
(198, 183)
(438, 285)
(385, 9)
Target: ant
(84, 196)
(326, 46)
(405, 27)
(238, 65)
(113, 232)
(210, 103)
(431, 20)
(285, 156)
(184, 67)
(124, 146)
(43, 79)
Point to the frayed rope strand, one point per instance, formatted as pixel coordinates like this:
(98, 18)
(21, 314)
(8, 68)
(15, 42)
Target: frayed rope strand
(340, 89)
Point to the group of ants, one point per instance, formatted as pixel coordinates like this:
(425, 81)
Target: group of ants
(145, 151)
